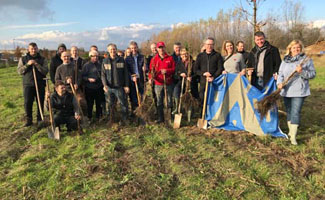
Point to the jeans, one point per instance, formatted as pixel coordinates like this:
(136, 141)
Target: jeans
(177, 89)
(114, 94)
(160, 93)
(293, 106)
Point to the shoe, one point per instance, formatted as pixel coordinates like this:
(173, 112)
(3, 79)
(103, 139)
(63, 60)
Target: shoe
(28, 123)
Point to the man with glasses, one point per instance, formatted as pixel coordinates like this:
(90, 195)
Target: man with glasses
(91, 75)
(66, 72)
(162, 65)
(208, 65)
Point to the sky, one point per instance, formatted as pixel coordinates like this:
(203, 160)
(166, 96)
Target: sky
(83, 23)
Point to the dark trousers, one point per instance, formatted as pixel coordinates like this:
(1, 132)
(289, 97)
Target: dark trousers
(94, 95)
(133, 93)
(195, 87)
(29, 96)
(70, 121)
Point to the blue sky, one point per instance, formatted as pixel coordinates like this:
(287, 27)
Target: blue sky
(104, 21)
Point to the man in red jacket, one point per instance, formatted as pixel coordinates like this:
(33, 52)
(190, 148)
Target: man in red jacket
(162, 65)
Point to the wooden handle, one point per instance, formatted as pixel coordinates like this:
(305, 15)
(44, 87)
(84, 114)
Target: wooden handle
(180, 99)
(205, 98)
(37, 95)
(165, 90)
(49, 104)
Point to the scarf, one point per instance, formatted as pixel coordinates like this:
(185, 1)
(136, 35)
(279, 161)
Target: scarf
(290, 59)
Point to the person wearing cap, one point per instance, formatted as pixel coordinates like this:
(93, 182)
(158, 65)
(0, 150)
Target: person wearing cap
(56, 61)
(65, 107)
(91, 75)
(208, 65)
(135, 64)
(115, 79)
(66, 72)
(162, 65)
(25, 68)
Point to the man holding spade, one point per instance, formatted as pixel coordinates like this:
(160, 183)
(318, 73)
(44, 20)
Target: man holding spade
(33, 67)
(163, 67)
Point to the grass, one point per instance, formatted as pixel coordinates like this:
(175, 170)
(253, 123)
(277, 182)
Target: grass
(155, 162)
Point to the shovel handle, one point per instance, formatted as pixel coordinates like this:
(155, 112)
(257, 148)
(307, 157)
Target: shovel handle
(37, 95)
(165, 90)
(180, 99)
(205, 98)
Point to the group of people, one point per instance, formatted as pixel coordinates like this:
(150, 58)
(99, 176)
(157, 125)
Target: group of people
(111, 78)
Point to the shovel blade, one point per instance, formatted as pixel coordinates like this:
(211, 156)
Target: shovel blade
(50, 133)
(177, 121)
(57, 133)
(201, 123)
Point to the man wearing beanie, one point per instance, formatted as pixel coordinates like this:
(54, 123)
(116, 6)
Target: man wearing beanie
(56, 61)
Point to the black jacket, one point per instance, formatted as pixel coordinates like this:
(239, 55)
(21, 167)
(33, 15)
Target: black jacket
(92, 70)
(80, 63)
(114, 73)
(55, 63)
(212, 63)
(272, 61)
(130, 63)
(65, 105)
(27, 71)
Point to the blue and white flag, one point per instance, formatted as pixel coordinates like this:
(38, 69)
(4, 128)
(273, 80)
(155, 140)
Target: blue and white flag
(231, 106)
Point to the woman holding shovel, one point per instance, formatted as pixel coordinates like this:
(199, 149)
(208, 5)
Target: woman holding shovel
(297, 89)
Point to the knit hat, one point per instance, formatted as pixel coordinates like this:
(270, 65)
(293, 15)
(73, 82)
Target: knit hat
(62, 45)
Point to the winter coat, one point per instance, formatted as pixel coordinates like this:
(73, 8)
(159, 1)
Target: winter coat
(55, 63)
(92, 70)
(272, 61)
(157, 64)
(298, 86)
(212, 63)
(130, 63)
(114, 73)
(41, 70)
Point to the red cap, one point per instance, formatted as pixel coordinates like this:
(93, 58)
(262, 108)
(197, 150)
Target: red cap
(160, 44)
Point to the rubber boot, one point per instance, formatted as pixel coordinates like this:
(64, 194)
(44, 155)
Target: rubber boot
(160, 111)
(293, 133)
(289, 127)
(176, 102)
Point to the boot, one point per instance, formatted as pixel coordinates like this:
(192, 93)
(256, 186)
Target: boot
(176, 102)
(29, 122)
(289, 127)
(293, 133)
(160, 112)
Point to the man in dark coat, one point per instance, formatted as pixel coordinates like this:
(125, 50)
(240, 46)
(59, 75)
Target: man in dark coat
(65, 107)
(56, 61)
(115, 79)
(208, 65)
(265, 59)
(25, 67)
(136, 66)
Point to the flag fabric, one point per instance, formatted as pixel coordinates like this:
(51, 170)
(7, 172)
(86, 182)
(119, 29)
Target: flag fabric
(231, 106)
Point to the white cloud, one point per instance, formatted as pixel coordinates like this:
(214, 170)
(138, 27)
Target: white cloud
(121, 35)
(37, 25)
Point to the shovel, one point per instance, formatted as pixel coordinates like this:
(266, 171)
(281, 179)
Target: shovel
(137, 90)
(202, 123)
(79, 107)
(178, 116)
(52, 132)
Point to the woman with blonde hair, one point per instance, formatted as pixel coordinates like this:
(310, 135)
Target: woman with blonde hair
(233, 62)
(127, 52)
(297, 89)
